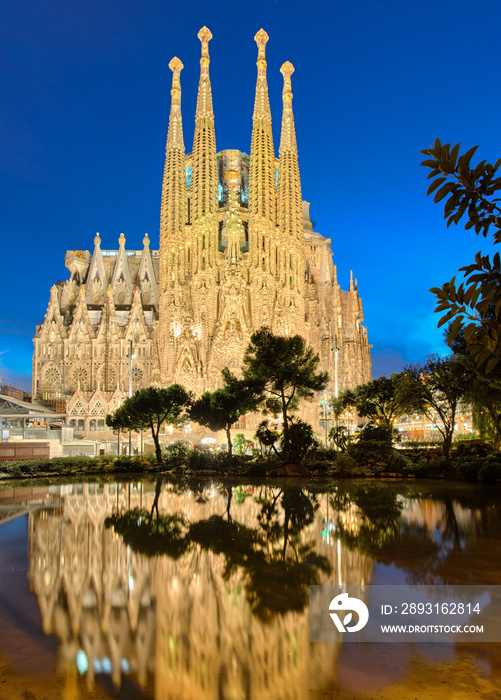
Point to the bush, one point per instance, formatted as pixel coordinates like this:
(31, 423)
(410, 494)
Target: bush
(344, 465)
(379, 433)
(300, 439)
(478, 448)
(178, 449)
(486, 468)
(371, 450)
(213, 461)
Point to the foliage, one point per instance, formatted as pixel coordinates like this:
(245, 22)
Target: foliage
(298, 441)
(240, 443)
(486, 468)
(379, 400)
(340, 436)
(150, 408)
(471, 191)
(266, 436)
(436, 388)
(484, 393)
(218, 410)
(284, 370)
(380, 433)
(178, 449)
(211, 461)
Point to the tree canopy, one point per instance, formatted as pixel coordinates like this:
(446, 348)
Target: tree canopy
(284, 370)
(483, 394)
(436, 388)
(150, 408)
(471, 191)
(220, 409)
(378, 400)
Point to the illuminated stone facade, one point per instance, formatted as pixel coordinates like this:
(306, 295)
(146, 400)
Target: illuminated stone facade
(237, 252)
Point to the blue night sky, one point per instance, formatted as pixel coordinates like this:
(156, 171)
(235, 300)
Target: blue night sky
(84, 107)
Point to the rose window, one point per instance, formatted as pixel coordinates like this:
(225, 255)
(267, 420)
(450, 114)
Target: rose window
(52, 375)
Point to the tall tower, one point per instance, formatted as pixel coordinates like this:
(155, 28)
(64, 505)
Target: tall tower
(204, 177)
(262, 191)
(290, 219)
(172, 233)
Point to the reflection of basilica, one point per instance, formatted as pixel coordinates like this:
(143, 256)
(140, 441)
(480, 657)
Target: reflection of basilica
(176, 625)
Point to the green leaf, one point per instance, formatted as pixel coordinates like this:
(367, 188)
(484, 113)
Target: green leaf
(492, 362)
(443, 191)
(468, 155)
(456, 326)
(454, 154)
(446, 318)
(435, 184)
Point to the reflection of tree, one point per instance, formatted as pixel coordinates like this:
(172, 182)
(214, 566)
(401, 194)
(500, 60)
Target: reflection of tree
(434, 553)
(379, 512)
(164, 534)
(277, 564)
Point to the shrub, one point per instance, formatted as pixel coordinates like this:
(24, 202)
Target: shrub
(344, 465)
(299, 440)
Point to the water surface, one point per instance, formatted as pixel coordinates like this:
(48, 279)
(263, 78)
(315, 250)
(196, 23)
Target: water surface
(174, 591)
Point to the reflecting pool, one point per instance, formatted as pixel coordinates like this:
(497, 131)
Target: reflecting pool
(199, 589)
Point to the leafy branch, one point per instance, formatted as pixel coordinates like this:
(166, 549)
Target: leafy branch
(469, 189)
(473, 307)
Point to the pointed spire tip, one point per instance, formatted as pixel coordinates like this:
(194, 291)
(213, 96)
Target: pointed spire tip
(205, 35)
(176, 65)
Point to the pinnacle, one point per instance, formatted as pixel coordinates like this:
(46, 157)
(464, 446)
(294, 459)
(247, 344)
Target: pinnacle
(287, 69)
(205, 35)
(261, 39)
(176, 65)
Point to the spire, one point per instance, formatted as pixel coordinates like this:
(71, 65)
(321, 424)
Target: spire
(96, 277)
(204, 98)
(290, 209)
(262, 195)
(175, 133)
(288, 136)
(204, 178)
(174, 183)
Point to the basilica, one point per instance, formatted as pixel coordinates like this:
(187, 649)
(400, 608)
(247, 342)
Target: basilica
(237, 251)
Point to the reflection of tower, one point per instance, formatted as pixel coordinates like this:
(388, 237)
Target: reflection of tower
(183, 620)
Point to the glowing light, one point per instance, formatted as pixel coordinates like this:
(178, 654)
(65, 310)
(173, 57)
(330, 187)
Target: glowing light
(82, 662)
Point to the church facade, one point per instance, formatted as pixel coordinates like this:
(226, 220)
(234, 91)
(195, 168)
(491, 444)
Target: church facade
(237, 251)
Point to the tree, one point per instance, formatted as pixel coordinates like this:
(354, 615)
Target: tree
(299, 439)
(220, 409)
(284, 370)
(378, 400)
(437, 387)
(483, 394)
(267, 437)
(471, 191)
(149, 409)
(340, 436)
(240, 443)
